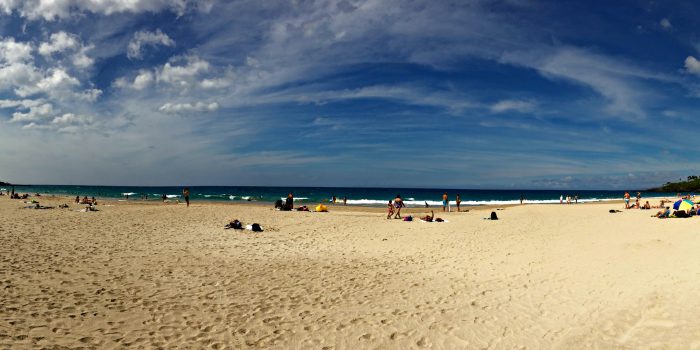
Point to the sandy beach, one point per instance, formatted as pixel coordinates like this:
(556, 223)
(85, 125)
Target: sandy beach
(147, 275)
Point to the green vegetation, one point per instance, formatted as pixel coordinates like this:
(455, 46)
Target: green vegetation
(692, 184)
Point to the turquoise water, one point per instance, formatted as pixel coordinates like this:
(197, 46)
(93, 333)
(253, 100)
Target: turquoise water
(311, 195)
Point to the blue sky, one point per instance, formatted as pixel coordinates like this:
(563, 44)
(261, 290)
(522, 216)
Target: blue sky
(439, 94)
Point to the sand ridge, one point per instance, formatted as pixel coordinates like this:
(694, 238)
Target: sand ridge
(161, 276)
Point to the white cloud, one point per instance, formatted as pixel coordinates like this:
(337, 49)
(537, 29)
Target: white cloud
(15, 52)
(692, 65)
(513, 105)
(62, 43)
(188, 107)
(184, 75)
(19, 103)
(52, 9)
(70, 118)
(36, 113)
(143, 80)
(665, 24)
(59, 42)
(16, 75)
(145, 38)
(56, 82)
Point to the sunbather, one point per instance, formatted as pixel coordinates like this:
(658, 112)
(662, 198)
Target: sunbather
(664, 213)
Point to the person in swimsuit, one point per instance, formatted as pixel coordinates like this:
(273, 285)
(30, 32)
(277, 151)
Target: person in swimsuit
(398, 204)
(444, 201)
(186, 193)
(458, 200)
(627, 200)
(390, 210)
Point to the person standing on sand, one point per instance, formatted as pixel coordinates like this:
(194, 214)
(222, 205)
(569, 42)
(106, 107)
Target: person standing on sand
(522, 198)
(289, 204)
(627, 200)
(458, 200)
(345, 200)
(444, 201)
(561, 199)
(186, 193)
(398, 204)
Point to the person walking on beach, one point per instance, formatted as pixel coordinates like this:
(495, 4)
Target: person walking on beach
(627, 200)
(458, 200)
(576, 198)
(164, 197)
(345, 200)
(186, 193)
(398, 204)
(522, 198)
(444, 201)
(390, 210)
(561, 199)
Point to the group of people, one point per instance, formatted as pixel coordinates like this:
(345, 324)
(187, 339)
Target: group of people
(394, 207)
(86, 200)
(446, 202)
(668, 213)
(569, 199)
(334, 199)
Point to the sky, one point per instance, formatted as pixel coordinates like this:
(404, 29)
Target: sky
(379, 93)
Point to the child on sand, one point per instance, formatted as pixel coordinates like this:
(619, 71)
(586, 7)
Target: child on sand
(390, 210)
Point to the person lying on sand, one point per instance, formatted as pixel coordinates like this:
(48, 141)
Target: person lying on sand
(428, 218)
(664, 213)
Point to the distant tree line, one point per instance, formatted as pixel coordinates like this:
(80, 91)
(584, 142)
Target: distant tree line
(692, 184)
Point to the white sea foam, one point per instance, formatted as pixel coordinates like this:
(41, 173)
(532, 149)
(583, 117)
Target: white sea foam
(419, 203)
(128, 193)
(172, 195)
(296, 198)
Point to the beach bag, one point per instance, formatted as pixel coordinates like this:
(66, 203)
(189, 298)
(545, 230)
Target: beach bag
(494, 216)
(408, 218)
(256, 228)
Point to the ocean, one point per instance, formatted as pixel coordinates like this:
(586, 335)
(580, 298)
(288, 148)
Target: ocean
(413, 197)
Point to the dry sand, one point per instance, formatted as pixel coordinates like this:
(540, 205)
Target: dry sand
(162, 276)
